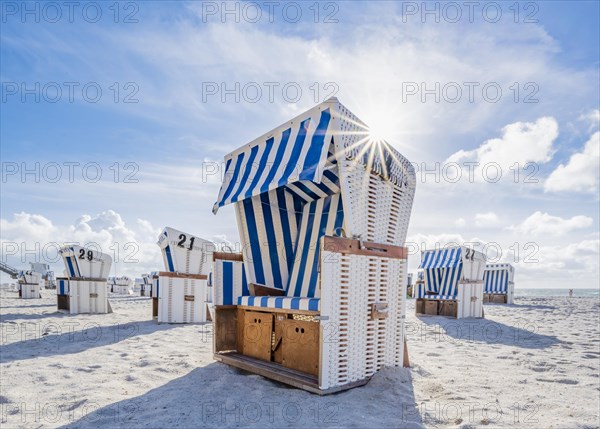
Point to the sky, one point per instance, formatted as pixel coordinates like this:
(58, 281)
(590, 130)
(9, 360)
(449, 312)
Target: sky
(115, 118)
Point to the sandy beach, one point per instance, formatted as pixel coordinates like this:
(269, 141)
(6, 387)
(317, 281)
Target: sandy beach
(535, 364)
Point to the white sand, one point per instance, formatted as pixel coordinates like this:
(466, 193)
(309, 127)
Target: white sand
(124, 370)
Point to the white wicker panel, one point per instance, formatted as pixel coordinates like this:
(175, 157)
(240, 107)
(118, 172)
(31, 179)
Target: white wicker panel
(375, 209)
(80, 300)
(172, 306)
(354, 346)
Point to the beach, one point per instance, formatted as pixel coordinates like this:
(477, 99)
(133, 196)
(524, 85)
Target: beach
(535, 364)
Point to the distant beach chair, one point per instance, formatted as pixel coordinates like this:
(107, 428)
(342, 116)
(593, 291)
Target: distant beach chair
(180, 293)
(86, 282)
(120, 284)
(317, 297)
(499, 283)
(29, 284)
(452, 282)
(146, 285)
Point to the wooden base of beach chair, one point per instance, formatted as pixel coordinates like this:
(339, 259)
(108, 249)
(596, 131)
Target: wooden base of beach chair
(63, 302)
(431, 308)
(434, 307)
(154, 307)
(498, 299)
(486, 297)
(448, 308)
(279, 344)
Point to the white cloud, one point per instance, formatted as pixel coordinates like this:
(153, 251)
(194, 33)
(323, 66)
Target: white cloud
(34, 238)
(460, 222)
(580, 260)
(544, 224)
(581, 173)
(486, 219)
(521, 142)
(592, 118)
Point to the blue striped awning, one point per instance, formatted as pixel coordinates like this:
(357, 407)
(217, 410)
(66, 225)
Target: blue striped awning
(441, 258)
(496, 281)
(298, 153)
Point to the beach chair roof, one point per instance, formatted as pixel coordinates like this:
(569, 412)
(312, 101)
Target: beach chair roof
(441, 258)
(300, 153)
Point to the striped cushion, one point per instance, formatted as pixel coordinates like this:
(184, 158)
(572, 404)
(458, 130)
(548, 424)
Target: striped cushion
(442, 297)
(284, 302)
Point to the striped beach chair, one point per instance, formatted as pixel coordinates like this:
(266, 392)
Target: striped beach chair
(499, 283)
(86, 280)
(452, 282)
(316, 299)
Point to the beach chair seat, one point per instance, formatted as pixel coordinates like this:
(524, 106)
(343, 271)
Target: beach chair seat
(281, 302)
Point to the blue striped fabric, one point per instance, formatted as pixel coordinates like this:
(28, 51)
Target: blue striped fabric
(269, 229)
(319, 217)
(442, 297)
(283, 302)
(295, 154)
(63, 287)
(233, 287)
(441, 258)
(419, 290)
(442, 270)
(496, 281)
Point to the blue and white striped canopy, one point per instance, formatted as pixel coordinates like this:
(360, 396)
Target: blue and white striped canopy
(497, 278)
(441, 258)
(295, 154)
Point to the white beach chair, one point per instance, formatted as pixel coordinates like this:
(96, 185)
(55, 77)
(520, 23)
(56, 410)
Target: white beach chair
(452, 282)
(499, 283)
(317, 297)
(29, 284)
(86, 282)
(180, 293)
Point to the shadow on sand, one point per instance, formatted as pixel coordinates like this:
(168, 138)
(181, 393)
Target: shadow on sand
(220, 396)
(523, 334)
(65, 336)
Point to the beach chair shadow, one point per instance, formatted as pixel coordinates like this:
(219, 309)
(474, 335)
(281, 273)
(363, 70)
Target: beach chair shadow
(228, 397)
(59, 338)
(523, 334)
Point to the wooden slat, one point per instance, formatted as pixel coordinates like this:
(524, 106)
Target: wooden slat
(282, 374)
(226, 256)
(279, 310)
(348, 246)
(225, 328)
(182, 276)
(261, 290)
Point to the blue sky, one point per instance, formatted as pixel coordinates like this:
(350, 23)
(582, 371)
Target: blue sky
(373, 56)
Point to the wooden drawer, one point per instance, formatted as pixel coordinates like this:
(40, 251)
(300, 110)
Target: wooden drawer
(256, 335)
(300, 345)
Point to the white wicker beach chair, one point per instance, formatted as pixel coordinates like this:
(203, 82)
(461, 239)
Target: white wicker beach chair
(29, 284)
(452, 282)
(499, 284)
(317, 297)
(180, 293)
(86, 282)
